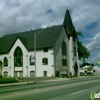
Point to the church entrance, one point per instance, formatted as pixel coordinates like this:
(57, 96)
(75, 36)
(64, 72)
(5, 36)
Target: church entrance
(76, 69)
(57, 73)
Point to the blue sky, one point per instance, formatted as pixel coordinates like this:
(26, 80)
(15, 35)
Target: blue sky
(19, 15)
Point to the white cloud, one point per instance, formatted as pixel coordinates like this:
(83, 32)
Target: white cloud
(19, 15)
(94, 48)
(96, 59)
(94, 45)
(16, 16)
(86, 13)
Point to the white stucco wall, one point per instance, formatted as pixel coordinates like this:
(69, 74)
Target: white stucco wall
(49, 67)
(71, 57)
(11, 58)
(26, 68)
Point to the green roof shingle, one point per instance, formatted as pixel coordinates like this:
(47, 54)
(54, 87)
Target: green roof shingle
(46, 38)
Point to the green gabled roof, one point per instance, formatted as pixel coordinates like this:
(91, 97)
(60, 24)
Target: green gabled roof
(46, 38)
(68, 24)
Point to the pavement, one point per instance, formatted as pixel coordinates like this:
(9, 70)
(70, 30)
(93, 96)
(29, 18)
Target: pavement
(40, 81)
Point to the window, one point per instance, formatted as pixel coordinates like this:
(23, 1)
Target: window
(5, 74)
(74, 47)
(45, 61)
(15, 74)
(5, 61)
(64, 48)
(32, 60)
(32, 73)
(44, 73)
(21, 74)
(64, 62)
(74, 51)
(45, 49)
(18, 57)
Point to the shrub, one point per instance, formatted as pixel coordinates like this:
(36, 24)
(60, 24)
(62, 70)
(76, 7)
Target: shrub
(1, 76)
(8, 80)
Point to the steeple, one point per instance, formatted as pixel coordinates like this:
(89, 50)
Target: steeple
(68, 24)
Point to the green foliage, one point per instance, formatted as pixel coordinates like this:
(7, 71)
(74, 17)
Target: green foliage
(89, 68)
(7, 80)
(79, 34)
(87, 64)
(92, 65)
(82, 50)
(84, 64)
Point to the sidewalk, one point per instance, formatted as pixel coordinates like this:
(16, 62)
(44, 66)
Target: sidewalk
(41, 81)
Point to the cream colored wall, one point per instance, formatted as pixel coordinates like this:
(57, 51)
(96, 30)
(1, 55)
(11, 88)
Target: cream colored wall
(26, 68)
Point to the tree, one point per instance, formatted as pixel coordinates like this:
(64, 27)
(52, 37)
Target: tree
(90, 68)
(87, 64)
(82, 50)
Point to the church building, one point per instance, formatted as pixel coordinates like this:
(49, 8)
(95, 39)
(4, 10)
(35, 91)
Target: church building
(46, 52)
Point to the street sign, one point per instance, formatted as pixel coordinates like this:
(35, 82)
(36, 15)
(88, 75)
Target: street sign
(63, 71)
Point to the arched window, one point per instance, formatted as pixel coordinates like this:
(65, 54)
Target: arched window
(18, 57)
(45, 73)
(64, 51)
(5, 61)
(32, 60)
(45, 61)
(32, 73)
(5, 74)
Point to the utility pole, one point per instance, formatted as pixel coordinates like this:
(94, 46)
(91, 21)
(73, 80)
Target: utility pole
(35, 54)
(35, 36)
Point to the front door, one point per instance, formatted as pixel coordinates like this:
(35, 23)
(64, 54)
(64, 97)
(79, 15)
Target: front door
(57, 73)
(75, 69)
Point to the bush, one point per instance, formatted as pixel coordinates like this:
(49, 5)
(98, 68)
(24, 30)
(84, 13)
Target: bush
(1, 76)
(8, 80)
